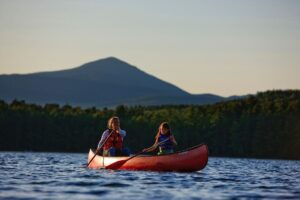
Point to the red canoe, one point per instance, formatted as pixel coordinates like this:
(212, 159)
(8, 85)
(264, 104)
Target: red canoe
(190, 160)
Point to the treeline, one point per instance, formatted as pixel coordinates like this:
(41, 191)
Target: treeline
(265, 125)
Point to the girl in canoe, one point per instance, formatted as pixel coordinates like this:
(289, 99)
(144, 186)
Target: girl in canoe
(112, 139)
(163, 134)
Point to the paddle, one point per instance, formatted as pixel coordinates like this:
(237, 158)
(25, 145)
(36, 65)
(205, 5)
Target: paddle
(98, 149)
(119, 163)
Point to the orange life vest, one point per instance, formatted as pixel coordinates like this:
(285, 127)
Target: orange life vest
(114, 140)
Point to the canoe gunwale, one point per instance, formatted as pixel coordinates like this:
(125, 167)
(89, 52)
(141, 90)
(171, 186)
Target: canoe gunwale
(177, 152)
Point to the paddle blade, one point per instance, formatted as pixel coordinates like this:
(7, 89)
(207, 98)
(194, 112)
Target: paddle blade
(116, 165)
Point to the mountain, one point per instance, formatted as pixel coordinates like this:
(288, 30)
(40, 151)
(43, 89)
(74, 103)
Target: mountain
(105, 82)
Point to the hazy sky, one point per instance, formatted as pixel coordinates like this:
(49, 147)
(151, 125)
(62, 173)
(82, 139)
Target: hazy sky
(222, 47)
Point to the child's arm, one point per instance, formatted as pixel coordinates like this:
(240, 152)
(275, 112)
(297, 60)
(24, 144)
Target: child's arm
(152, 148)
(172, 138)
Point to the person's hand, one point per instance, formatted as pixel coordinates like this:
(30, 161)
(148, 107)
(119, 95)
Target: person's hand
(145, 150)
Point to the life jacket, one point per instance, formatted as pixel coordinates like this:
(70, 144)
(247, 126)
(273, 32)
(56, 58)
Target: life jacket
(166, 145)
(114, 140)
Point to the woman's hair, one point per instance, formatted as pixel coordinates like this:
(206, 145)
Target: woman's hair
(163, 125)
(110, 121)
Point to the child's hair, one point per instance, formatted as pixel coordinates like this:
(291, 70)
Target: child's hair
(110, 121)
(163, 125)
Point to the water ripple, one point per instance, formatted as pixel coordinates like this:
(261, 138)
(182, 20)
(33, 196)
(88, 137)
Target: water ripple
(62, 176)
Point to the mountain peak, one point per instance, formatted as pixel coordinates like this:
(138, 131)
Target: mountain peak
(108, 61)
(109, 64)
(112, 59)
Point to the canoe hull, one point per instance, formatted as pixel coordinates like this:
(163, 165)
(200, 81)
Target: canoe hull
(193, 159)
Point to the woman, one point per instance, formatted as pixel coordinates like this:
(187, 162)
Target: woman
(112, 139)
(163, 134)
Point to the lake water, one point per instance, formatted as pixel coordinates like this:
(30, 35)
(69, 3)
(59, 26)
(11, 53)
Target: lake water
(62, 176)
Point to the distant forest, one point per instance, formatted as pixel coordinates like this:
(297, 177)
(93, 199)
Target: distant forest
(265, 125)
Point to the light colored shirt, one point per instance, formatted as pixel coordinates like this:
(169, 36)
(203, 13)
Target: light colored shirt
(106, 133)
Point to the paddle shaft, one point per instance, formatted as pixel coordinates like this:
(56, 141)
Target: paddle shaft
(100, 148)
(144, 151)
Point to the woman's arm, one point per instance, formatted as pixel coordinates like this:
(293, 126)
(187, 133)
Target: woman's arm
(103, 138)
(122, 133)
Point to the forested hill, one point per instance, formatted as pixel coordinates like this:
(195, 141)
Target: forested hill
(266, 125)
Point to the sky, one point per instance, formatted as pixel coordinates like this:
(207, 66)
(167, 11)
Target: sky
(229, 47)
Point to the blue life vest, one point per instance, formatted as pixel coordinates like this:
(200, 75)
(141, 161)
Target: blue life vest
(166, 145)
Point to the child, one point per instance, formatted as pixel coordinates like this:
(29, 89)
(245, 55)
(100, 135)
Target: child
(163, 134)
